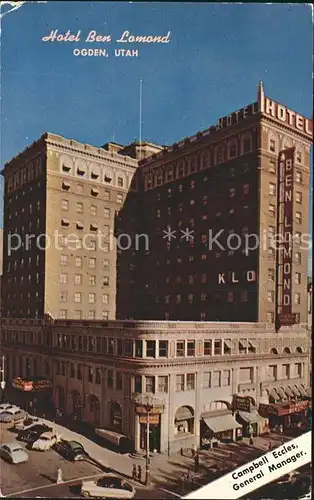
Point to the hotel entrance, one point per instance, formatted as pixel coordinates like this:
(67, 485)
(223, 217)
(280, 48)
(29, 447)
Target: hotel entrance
(154, 432)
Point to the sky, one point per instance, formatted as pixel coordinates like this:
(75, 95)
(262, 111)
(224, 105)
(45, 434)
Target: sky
(211, 67)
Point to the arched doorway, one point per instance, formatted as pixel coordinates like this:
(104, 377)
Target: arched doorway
(116, 416)
(184, 421)
(94, 409)
(76, 404)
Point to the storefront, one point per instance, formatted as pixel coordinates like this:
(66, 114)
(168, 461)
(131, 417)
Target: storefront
(286, 414)
(253, 424)
(34, 394)
(219, 426)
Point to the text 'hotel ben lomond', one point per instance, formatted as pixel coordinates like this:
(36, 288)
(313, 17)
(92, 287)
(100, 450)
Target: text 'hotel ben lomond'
(168, 233)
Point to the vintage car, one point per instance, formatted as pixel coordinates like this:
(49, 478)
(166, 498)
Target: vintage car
(6, 406)
(71, 450)
(33, 432)
(26, 424)
(108, 486)
(12, 415)
(46, 441)
(13, 452)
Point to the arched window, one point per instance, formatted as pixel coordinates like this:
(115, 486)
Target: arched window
(287, 350)
(184, 420)
(299, 350)
(273, 351)
(220, 154)
(94, 409)
(108, 175)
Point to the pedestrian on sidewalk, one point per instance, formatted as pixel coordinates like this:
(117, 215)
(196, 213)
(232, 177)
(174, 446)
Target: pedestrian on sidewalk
(134, 472)
(251, 440)
(193, 450)
(181, 451)
(188, 476)
(59, 476)
(281, 429)
(270, 446)
(139, 473)
(282, 441)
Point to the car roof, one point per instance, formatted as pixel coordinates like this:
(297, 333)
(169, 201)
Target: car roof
(15, 409)
(48, 434)
(75, 443)
(12, 444)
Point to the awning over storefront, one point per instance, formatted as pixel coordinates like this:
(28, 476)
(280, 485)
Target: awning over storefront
(274, 395)
(251, 418)
(183, 413)
(308, 392)
(221, 423)
(295, 390)
(281, 393)
(302, 390)
(289, 392)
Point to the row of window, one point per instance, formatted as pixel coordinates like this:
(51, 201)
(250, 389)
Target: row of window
(79, 261)
(78, 297)
(78, 314)
(82, 171)
(191, 298)
(271, 277)
(273, 147)
(271, 297)
(93, 209)
(287, 371)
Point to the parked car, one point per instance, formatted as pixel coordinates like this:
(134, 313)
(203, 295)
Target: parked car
(12, 415)
(26, 424)
(71, 450)
(13, 452)
(46, 441)
(32, 433)
(6, 406)
(108, 486)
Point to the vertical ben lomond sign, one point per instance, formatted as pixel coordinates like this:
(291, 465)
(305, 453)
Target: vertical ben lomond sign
(285, 179)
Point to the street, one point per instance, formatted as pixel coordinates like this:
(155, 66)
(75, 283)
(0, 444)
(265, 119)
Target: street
(38, 476)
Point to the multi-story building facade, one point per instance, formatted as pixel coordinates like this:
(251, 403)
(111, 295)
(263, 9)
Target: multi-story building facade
(221, 182)
(61, 198)
(194, 370)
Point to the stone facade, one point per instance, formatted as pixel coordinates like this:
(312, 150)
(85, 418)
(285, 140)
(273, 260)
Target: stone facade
(96, 367)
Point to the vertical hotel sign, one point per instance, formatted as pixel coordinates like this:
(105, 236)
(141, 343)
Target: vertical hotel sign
(285, 203)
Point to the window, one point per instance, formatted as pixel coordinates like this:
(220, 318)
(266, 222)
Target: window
(207, 380)
(63, 278)
(285, 371)
(107, 195)
(63, 260)
(150, 384)
(180, 348)
(105, 314)
(226, 378)
(64, 205)
(190, 298)
(180, 383)
(78, 279)
(272, 210)
(297, 298)
(105, 281)
(216, 379)
(207, 347)
(119, 198)
(271, 275)
(244, 296)
(163, 383)
(78, 297)
(229, 297)
(231, 192)
(98, 376)
(92, 263)
(138, 383)
(105, 298)
(271, 253)
(107, 213)
(272, 145)
(120, 182)
(297, 257)
(270, 317)
(106, 264)
(299, 156)
(150, 348)
(191, 348)
(92, 280)
(139, 348)
(246, 188)
(203, 297)
(79, 207)
(78, 314)
(298, 197)
(217, 347)
(63, 314)
(190, 381)
(270, 296)
(272, 189)
(93, 210)
(163, 349)
(78, 261)
(272, 167)
(298, 217)
(297, 278)
(298, 177)
(91, 298)
(63, 296)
